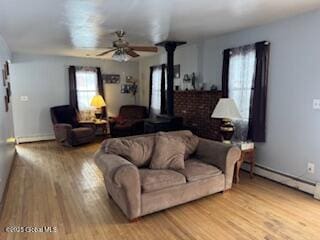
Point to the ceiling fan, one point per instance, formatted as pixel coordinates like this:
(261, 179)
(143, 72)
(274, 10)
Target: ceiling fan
(123, 51)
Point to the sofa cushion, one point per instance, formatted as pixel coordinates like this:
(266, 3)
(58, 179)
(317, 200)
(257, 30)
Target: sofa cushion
(152, 180)
(137, 150)
(82, 132)
(196, 170)
(168, 153)
(190, 140)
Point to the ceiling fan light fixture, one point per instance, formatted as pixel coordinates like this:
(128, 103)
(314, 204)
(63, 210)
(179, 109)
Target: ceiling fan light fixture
(123, 51)
(121, 56)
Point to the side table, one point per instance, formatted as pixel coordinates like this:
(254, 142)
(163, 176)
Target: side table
(247, 156)
(104, 126)
(100, 124)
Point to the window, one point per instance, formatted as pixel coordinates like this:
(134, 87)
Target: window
(158, 90)
(241, 77)
(245, 80)
(87, 87)
(84, 84)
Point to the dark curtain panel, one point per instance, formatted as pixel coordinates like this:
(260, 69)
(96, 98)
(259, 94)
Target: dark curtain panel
(150, 89)
(225, 73)
(257, 121)
(101, 90)
(73, 87)
(163, 90)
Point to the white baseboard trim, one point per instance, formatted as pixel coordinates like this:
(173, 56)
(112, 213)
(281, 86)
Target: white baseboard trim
(285, 179)
(317, 191)
(34, 139)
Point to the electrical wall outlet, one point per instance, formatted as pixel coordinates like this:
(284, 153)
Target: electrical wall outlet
(310, 168)
(316, 104)
(24, 98)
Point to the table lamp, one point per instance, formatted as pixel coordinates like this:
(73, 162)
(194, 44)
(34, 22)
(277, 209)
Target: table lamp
(227, 110)
(98, 102)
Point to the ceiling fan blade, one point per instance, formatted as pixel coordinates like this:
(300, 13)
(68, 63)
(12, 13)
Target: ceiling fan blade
(106, 52)
(132, 53)
(144, 48)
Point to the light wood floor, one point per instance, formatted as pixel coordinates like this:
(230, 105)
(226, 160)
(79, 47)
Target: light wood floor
(56, 186)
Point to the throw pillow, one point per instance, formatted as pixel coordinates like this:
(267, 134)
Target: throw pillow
(136, 150)
(190, 140)
(168, 153)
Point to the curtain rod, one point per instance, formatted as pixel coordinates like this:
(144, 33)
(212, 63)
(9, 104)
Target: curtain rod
(247, 45)
(83, 66)
(156, 66)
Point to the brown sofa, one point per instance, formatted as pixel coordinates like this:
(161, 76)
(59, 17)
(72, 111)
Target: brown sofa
(67, 129)
(130, 121)
(140, 191)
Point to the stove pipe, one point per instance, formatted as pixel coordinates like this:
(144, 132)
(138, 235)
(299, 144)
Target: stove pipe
(170, 47)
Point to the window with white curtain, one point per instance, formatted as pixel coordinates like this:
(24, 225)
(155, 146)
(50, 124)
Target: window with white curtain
(241, 78)
(87, 87)
(156, 91)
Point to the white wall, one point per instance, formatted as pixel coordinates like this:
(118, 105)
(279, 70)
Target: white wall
(6, 125)
(44, 79)
(293, 127)
(187, 56)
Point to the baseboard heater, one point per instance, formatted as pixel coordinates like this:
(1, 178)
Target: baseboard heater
(34, 139)
(285, 179)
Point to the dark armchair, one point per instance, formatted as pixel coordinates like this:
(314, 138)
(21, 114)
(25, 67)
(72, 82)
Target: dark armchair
(130, 121)
(67, 128)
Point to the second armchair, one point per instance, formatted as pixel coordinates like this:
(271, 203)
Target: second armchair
(130, 121)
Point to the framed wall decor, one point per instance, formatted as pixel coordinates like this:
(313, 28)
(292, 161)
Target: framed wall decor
(8, 94)
(6, 103)
(125, 88)
(111, 78)
(130, 79)
(9, 89)
(5, 71)
(7, 68)
(3, 77)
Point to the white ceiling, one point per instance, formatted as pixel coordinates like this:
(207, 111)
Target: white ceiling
(77, 27)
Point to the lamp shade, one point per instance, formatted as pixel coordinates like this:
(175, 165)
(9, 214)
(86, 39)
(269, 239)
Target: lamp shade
(98, 102)
(121, 56)
(226, 108)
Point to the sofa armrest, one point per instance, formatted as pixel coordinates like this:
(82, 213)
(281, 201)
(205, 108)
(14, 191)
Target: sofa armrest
(112, 166)
(62, 132)
(124, 175)
(223, 156)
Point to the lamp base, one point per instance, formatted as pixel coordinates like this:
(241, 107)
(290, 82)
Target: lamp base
(226, 130)
(98, 115)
